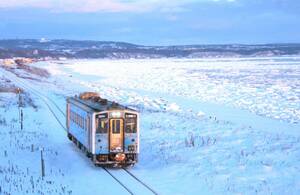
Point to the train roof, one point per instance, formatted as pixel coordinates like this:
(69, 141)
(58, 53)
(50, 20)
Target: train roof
(100, 105)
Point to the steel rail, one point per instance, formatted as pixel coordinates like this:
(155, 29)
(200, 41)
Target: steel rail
(140, 181)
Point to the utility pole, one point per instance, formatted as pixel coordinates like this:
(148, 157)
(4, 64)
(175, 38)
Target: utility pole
(42, 164)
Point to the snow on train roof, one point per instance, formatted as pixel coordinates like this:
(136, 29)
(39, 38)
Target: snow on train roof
(101, 105)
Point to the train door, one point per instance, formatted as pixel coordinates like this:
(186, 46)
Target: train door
(116, 135)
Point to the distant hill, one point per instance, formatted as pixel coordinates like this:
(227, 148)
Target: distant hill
(33, 48)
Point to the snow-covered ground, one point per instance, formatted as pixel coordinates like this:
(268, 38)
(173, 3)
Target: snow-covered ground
(208, 126)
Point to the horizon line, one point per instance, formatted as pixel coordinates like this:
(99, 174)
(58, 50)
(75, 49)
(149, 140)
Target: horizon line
(147, 45)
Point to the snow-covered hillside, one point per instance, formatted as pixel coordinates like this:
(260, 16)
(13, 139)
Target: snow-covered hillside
(208, 126)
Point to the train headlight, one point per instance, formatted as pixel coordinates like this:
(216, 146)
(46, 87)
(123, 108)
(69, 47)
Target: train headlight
(120, 157)
(116, 114)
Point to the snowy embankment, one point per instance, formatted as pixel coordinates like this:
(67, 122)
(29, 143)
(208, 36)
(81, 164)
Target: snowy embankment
(67, 170)
(208, 126)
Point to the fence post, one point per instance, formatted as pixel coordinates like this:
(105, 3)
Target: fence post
(19, 104)
(42, 165)
(21, 119)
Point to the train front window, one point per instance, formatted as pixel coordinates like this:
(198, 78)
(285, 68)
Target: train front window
(102, 123)
(130, 123)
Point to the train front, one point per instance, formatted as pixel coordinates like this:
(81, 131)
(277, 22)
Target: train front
(117, 137)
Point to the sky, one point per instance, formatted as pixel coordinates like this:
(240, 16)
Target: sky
(153, 22)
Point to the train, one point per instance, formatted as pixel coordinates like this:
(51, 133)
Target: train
(106, 131)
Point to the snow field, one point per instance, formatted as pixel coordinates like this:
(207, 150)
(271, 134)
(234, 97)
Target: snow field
(218, 126)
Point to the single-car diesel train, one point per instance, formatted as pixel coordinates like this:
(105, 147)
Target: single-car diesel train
(106, 131)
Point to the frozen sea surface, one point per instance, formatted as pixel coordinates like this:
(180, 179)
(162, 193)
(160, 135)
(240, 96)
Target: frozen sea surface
(208, 126)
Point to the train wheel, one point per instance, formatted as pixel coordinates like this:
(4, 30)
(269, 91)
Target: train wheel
(73, 140)
(70, 136)
(88, 154)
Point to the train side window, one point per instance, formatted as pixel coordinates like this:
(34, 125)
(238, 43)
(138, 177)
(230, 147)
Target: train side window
(72, 116)
(83, 123)
(86, 124)
(77, 119)
(80, 121)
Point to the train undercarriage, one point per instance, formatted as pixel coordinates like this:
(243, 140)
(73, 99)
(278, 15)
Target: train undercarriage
(111, 159)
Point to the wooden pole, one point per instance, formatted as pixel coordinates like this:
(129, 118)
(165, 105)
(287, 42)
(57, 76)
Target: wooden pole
(19, 104)
(42, 164)
(21, 119)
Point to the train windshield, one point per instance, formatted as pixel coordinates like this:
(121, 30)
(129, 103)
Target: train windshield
(130, 123)
(102, 123)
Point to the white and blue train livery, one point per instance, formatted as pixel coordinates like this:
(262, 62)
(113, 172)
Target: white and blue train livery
(106, 131)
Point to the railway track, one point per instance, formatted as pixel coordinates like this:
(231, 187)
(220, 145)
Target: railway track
(113, 173)
(144, 184)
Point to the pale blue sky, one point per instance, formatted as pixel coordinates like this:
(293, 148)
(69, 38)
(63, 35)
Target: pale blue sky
(153, 22)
